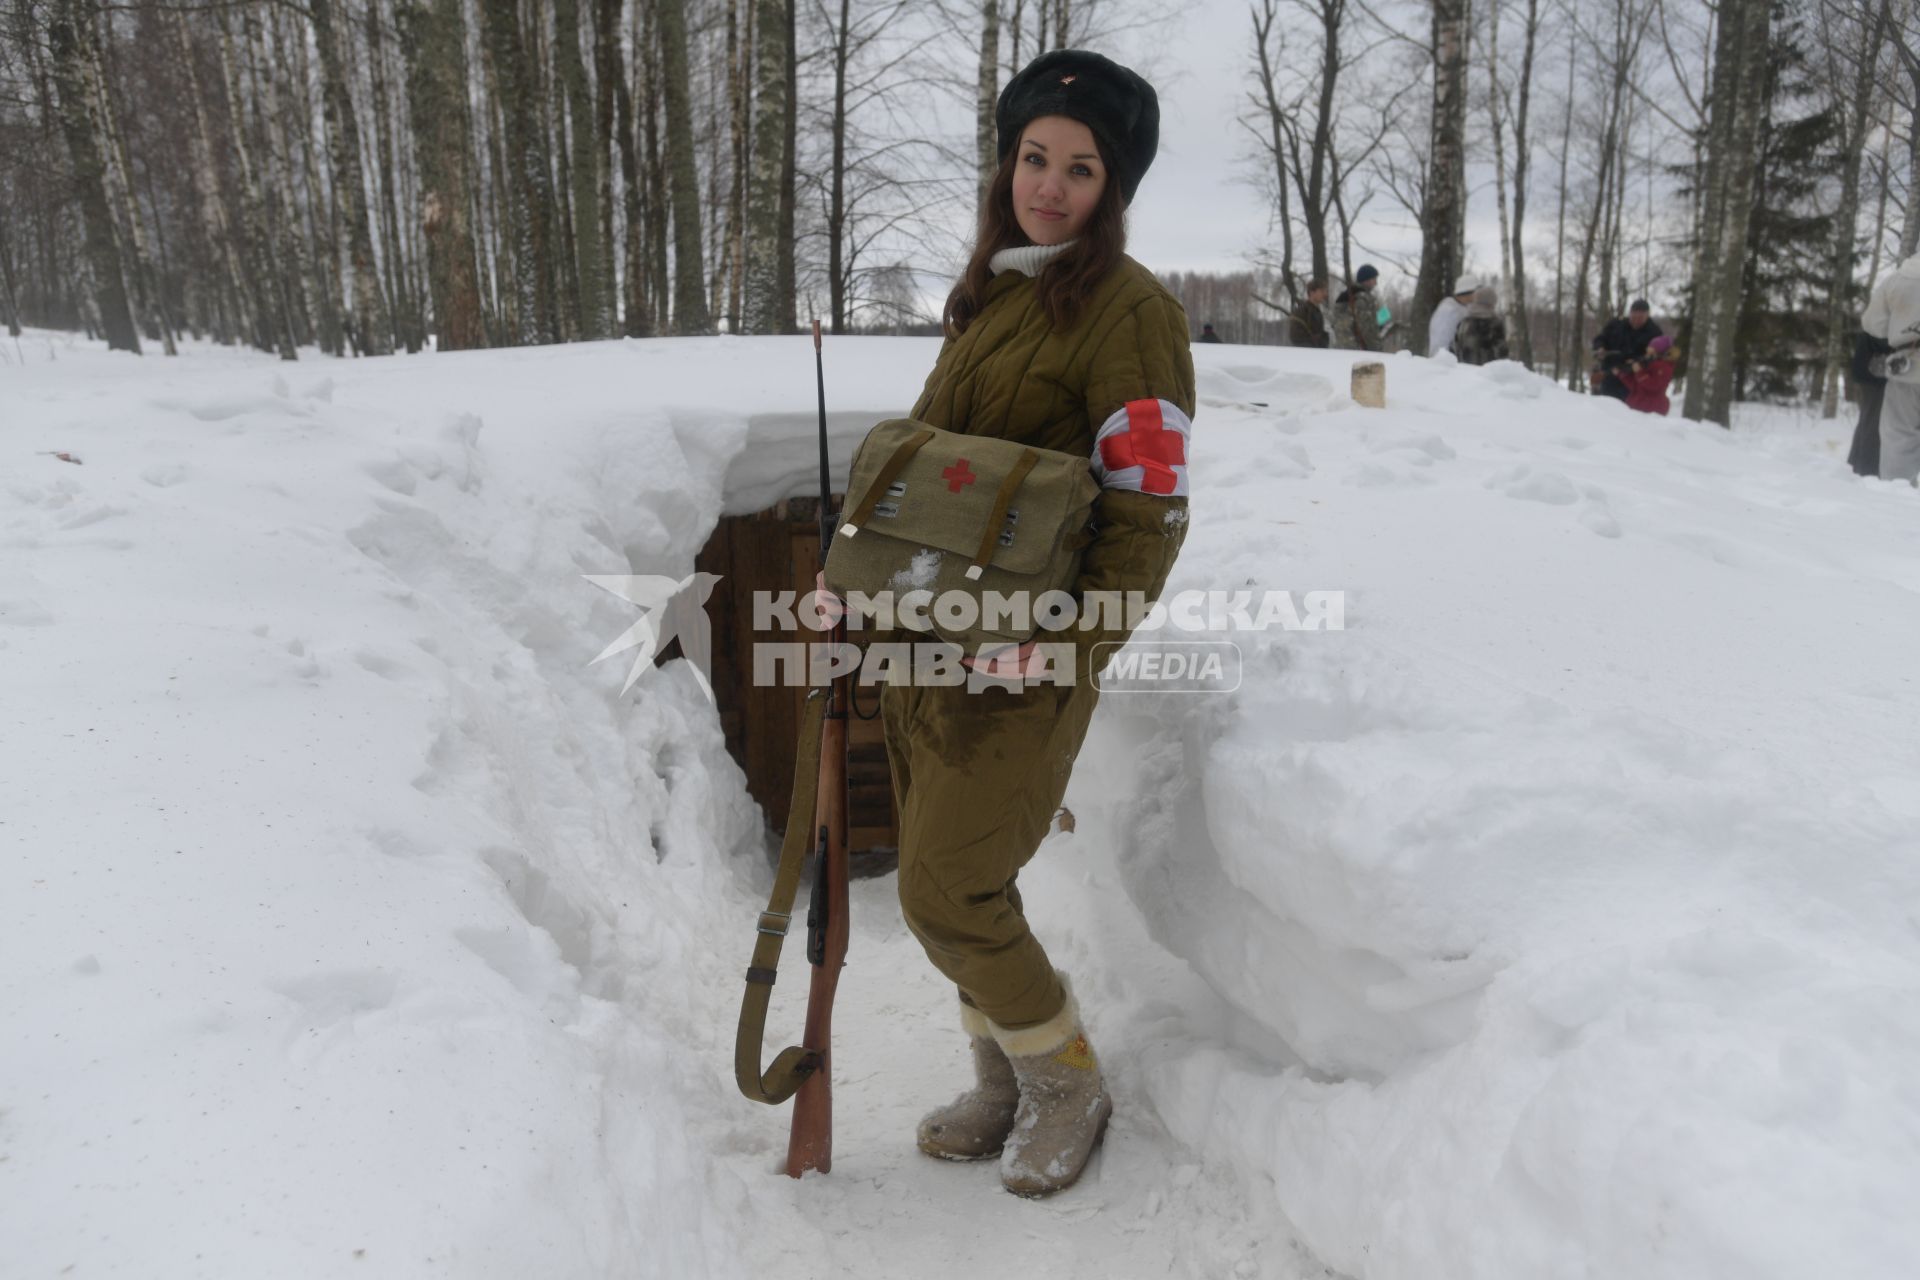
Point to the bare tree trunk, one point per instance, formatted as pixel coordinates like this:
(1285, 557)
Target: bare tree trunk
(215, 228)
(789, 177)
(689, 277)
(320, 210)
(657, 203)
(713, 217)
(986, 157)
(1560, 233)
(1346, 223)
(739, 60)
(1739, 75)
(370, 320)
(271, 333)
(1313, 196)
(277, 240)
(553, 123)
(584, 164)
(1499, 150)
(527, 178)
(502, 192)
(837, 192)
(76, 72)
(149, 297)
(638, 322)
(606, 72)
(8, 289)
(1519, 322)
(1846, 220)
(1443, 211)
(761, 309)
(433, 42)
(321, 257)
(1910, 226)
(1060, 23)
(1880, 210)
(266, 73)
(408, 328)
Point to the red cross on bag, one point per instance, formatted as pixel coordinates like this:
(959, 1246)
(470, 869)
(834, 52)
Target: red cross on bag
(958, 474)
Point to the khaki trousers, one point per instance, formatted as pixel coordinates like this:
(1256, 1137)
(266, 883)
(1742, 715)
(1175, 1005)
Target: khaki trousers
(977, 778)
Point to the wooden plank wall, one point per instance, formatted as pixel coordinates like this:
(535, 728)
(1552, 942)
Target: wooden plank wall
(773, 550)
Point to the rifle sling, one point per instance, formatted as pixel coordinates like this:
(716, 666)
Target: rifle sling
(793, 1064)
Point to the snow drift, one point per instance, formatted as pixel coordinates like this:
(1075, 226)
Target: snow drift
(1560, 916)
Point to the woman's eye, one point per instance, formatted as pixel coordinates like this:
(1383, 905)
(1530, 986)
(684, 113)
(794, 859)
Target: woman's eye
(1082, 171)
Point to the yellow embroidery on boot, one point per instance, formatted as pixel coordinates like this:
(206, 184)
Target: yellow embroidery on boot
(1076, 1055)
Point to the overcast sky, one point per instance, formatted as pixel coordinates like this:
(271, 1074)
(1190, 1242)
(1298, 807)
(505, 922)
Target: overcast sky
(1198, 209)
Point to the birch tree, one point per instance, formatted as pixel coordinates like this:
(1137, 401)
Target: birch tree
(433, 41)
(75, 74)
(1739, 76)
(1443, 211)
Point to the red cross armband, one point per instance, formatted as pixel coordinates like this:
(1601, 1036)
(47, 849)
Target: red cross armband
(1143, 448)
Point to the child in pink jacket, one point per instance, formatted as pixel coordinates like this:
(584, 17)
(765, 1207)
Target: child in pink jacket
(1647, 380)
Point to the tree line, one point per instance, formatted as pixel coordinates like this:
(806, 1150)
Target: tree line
(368, 176)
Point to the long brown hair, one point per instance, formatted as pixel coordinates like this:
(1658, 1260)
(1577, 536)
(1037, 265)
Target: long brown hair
(1065, 283)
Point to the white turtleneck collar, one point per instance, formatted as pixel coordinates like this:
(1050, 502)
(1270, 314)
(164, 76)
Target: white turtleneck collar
(1027, 259)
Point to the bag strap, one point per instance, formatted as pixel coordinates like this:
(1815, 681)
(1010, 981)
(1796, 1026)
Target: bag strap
(888, 474)
(793, 1064)
(1001, 501)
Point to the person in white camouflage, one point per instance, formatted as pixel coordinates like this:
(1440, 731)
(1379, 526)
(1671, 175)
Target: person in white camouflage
(1482, 335)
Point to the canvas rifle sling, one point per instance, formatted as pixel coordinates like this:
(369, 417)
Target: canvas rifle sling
(793, 1064)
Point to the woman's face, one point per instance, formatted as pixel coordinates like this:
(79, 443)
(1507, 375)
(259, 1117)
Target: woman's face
(1057, 179)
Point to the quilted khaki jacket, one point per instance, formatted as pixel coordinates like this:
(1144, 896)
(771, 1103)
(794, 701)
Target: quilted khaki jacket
(1011, 376)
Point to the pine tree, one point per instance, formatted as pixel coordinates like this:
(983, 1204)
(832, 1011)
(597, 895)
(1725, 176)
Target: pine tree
(1779, 335)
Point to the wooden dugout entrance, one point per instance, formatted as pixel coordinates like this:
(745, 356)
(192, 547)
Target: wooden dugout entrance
(772, 551)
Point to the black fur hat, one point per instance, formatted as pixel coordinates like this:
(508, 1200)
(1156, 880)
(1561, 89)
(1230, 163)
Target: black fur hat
(1122, 109)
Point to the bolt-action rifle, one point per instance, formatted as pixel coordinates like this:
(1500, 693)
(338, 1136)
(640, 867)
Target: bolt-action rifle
(816, 818)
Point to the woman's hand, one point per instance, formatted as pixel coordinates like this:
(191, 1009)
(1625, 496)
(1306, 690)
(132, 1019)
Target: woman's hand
(1011, 663)
(827, 608)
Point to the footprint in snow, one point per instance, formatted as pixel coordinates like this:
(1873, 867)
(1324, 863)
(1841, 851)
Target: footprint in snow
(1406, 473)
(1417, 451)
(1554, 489)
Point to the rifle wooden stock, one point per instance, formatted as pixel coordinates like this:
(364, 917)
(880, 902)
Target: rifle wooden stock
(810, 1143)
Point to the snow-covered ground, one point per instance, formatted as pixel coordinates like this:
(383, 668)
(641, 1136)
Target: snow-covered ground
(1560, 917)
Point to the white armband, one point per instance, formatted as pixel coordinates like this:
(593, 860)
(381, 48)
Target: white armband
(1143, 448)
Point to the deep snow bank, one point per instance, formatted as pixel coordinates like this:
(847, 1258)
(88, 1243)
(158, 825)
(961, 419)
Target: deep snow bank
(1570, 896)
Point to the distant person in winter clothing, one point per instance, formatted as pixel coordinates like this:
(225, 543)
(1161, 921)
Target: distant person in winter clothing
(1207, 334)
(1870, 389)
(1307, 322)
(1482, 336)
(1624, 339)
(1356, 317)
(1446, 318)
(1893, 316)
(1648, 378)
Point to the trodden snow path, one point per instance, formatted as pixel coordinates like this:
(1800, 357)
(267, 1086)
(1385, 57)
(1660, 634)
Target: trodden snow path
(1147, 1205)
